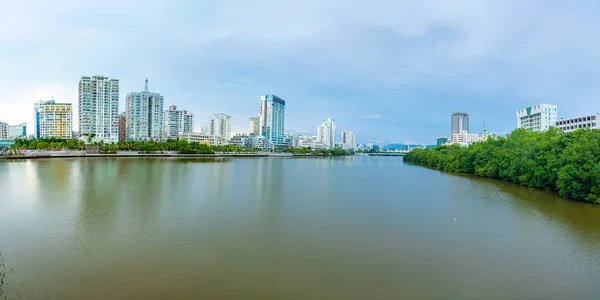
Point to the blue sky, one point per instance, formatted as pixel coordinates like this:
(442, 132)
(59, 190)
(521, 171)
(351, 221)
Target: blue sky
(390, 70)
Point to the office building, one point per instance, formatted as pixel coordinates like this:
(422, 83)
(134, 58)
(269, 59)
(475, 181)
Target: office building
(3, 130)
(441, 140)
(348, 140)
(272, 119)
(460, 123)
(310, 141)
(122, 127)
(99, 108)
(326, 133)
(53, 120)
(220, 125)
(177, 122)
(465, 138)
(17, 131)
(193, 137)
(572, 124)
(255, 125)
(538, 117)
(144, 115)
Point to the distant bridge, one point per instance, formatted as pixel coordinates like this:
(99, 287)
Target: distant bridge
(388, 154)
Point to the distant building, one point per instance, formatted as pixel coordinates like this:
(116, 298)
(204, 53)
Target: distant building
(310, 141)
(99, 108)
(460, 123)
(293, 140)
(272, 119)
(3, 130)
(348, 140)
(538, 117)
(369, 146)
(255, 125)
(17, 131)
(220, 125)
(53, 120)
(326, 133)
(203, 138)
(441, 141)
(260, 142)
(176, 122)
(144, 112)
(122, 127)
(467, 138)
(572, 124)
(6, 143)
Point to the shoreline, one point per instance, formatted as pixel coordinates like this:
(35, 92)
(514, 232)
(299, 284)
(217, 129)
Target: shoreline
(162, 155)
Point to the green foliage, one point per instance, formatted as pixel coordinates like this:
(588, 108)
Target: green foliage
(568, 163)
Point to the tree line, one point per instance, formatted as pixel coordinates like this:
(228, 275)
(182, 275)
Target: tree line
(568, 163)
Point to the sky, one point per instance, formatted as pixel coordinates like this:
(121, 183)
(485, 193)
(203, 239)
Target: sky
(393, 71)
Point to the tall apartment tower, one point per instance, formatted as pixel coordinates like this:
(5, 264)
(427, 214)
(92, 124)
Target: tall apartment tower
(99, 108)
(53, 120)
(538, 117)
(255, 125)
(144, 115)
(177, 122)
(272, 119)
(326, 133)
(348, 140)
(460, 123)
(220, 125)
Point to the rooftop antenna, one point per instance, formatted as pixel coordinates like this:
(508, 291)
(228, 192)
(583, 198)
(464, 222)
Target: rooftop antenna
(146, 87)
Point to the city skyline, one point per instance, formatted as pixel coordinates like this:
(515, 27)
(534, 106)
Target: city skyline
(392, 74)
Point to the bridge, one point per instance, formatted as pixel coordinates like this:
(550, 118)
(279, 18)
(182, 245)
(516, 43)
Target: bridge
(387, 154)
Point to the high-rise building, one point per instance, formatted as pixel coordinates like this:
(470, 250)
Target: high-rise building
(572, 124)
(255, 125)
(460, 123)
(144, 115)
(348, 140)
(220, 125)
(3, 130)
(177, 122)
(53, 120)
(188, 121)
(441, 140)
(17, 131)
(99, 108)
(122, 127)
(272, 119)
(538, 117)
(326, 133)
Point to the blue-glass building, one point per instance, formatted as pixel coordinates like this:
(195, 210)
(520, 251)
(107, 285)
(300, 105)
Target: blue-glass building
(272, 119)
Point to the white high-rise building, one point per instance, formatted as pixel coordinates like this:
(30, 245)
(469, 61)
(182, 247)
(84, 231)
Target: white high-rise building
(144, 113)
(255, 125)
(99, 108)
(272, 119)
(460, 123)
(538, 117)
(348, 140)
(326, 133)
(220, 125)
(53, 120)
(177, 122)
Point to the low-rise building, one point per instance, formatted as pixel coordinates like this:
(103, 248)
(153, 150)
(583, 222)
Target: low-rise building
(3, 130)
(572, 124)
(467, 138)
(6, 143)
(441, 140)
(17, 131)
(261, 142)
(538, 117)
(203, 138)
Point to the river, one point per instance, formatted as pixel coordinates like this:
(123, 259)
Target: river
(276, 228)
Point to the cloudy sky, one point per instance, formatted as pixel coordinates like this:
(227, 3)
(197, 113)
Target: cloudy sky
(391, 70)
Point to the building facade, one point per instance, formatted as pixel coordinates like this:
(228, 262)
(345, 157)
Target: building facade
(326, 133)
(466, 138)
(220, 125)
(441, 140)
(144, 115)
(272, 119)
(99, 108)
(572, 124)
(3, 130)
(177, 122)
(17, 131)
(255, 125)
(538, 117)
(348, 140)
(53, 120)
(122, 127)
(208, 139)
(460, 123)
(188, 121)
